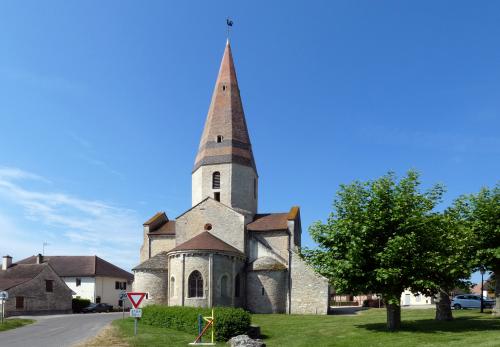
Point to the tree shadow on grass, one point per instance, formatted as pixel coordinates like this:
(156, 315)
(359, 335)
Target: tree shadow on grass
(459, 325)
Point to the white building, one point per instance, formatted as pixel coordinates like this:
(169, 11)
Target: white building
(90, 277)
(410, 299)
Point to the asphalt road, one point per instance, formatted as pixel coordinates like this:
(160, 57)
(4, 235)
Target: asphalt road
(58, 330)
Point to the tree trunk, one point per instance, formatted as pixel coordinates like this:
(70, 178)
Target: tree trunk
(496, 310)
(443, 306)
(393, 307)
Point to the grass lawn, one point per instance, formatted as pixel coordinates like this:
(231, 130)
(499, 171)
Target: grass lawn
(14, 323)
(470, 328)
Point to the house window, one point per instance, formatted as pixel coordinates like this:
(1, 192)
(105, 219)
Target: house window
(19, 302)
(78, 282)
(124, 286)
(98, 300)
(172, 286)
(220, 138)
(263, 291)
(217, 196)
(49, 286)
(195, 285)
(117, 285)
(120, 285)
(216, 180)
(223, 286)
(237, 286)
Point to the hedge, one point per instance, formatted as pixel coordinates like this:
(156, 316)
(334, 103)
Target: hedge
(77, 304)
(229, 321)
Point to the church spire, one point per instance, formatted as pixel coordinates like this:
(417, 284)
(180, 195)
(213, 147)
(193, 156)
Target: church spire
(225, 137)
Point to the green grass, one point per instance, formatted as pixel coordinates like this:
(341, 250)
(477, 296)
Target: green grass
(470, 328)
(14, 323)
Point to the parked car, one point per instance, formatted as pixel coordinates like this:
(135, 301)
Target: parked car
(471, 301)
(101, 307)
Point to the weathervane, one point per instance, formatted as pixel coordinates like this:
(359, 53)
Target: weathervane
(229, 24)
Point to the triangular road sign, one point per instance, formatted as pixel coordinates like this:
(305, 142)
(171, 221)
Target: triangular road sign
(136, 298)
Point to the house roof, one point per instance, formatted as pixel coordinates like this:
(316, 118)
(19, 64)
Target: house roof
(158, 262)
(207, 242)
(18, 274)
(225, 118)
(81, 266)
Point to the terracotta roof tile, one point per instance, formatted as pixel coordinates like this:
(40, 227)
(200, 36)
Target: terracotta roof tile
(268, 222)
(81, 266)
(205, 241)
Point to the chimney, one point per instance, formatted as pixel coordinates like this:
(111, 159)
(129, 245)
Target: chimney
(7, 262)
(39, 259)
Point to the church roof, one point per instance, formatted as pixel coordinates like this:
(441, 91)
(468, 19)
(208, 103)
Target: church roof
(158, 262)
(205, 242)
(266, 264)
(225, 137)
(81, 266)
(273, 221)
(269, 221)
(167, 228)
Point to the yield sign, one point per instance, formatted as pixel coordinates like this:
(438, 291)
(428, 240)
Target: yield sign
(136, 298)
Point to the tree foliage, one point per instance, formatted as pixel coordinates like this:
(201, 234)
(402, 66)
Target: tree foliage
(384, 236)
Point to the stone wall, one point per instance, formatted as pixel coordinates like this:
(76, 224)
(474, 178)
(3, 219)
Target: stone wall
(153, 282)
(268, 244)
(227, 224)
(228, 266)
(266, 291)
(36, 299)
(309, 290)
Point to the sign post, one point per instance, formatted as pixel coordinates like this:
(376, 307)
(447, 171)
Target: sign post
(136, 299)
(3, 296)
(123, 297)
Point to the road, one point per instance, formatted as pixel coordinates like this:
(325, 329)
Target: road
(57, 331)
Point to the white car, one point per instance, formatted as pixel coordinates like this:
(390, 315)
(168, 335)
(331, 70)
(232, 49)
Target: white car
(471, 301)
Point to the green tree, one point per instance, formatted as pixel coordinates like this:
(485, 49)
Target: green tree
(377, 239)
(481, 213)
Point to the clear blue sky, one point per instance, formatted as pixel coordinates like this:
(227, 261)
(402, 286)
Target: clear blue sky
(102, 105)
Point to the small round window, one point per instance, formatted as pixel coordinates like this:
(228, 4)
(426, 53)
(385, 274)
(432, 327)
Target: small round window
(208, 226)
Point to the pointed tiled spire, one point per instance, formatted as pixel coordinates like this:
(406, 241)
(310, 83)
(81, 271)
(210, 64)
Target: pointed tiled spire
(225, 138)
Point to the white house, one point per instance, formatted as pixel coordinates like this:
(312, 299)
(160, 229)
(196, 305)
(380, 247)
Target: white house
(90, 277)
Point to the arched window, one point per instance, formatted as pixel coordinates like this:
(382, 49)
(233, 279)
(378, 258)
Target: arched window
(172, 286)
(216, 180)
(195, 285)
(237, 286)
(223, 286)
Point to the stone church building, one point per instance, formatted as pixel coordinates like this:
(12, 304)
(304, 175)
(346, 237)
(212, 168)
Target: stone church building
(222, 252)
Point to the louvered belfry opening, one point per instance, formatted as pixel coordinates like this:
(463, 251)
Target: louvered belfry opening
(216, 180)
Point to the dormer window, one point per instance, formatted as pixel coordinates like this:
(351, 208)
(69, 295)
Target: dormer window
(220, 138)
(216, 180)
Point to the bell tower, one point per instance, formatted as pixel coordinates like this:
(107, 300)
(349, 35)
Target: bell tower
(225, 168)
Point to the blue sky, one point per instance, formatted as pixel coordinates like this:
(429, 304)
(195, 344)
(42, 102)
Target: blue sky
(102, 105)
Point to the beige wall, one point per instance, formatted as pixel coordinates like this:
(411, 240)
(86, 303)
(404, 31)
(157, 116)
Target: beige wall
(163, 243)
(236, 186)
(267, 291)
(227, 224)
(153, 282)
(105, 289)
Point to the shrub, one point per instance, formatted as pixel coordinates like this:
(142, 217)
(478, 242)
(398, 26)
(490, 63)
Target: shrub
(229, 321)
(77, 304)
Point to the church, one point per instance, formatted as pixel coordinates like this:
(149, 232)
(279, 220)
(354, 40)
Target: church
(222, 251)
